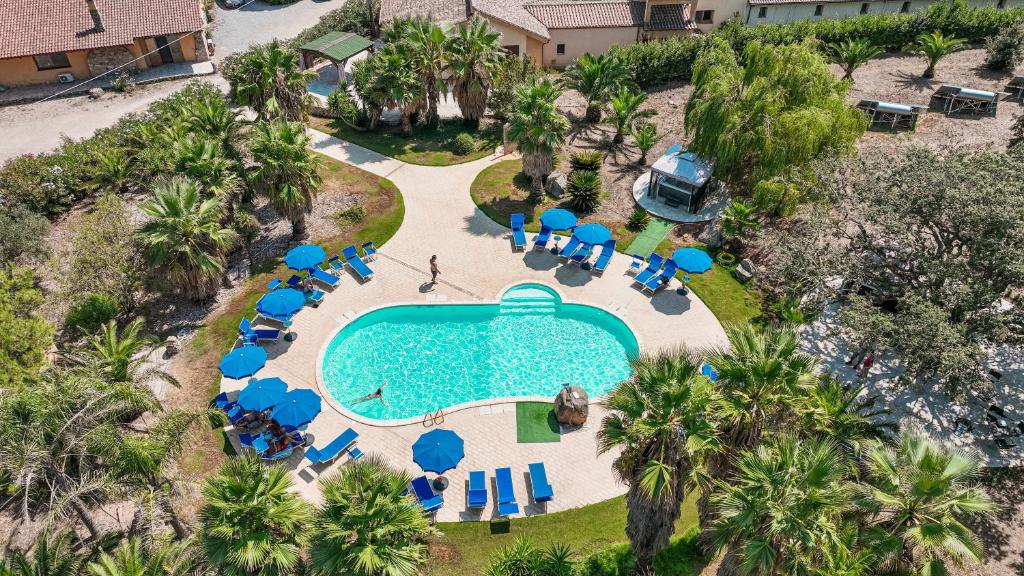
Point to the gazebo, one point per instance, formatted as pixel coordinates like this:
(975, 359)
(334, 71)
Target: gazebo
(680, 178)
(336, 46)
(889, 115)
(956, 100)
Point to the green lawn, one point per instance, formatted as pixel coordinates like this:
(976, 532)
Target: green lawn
(731, 302)
(536, 422)
(426, 146)
(464, 548)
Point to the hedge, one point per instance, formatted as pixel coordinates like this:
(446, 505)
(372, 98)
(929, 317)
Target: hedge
(672, 59)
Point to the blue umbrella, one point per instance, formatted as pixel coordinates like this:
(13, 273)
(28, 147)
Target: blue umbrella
(592, 234)
(282, 302)
(296, 408)
(305, 257)
(692, 260)
(438, 451)
(262, 394)
(243, 362)
(558, 219)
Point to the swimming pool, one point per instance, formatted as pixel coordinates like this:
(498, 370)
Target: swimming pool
(436, 356)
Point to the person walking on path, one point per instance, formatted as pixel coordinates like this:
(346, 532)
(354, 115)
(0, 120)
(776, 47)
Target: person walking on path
(869, 361)
(434, 270)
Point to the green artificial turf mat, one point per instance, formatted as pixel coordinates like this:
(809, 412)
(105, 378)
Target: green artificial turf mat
(535, 422)
(646, 241)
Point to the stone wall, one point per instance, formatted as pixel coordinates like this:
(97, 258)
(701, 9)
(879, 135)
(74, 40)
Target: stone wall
(106, 59)
(202, 54)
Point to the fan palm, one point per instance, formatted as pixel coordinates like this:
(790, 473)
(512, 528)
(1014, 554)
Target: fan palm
(397, 86)
(852, 54)
(662, 419)
(836, 410)
(473, 50)
(539, 129)
(252, 523)
(204, 160)
(626, 112)
(112, 171)
(288, 173)
(782, 512)
(270, 81)
(597, 78)
(116, 354)
(184, 237)
(738, 221)
(921, 489)
(214, 119)
(51, 556)
(153, 558)
(367, 525)
(645, 136)
(933, 47)
(428, 51)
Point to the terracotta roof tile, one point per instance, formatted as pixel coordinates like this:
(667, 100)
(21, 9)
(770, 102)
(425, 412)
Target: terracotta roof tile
(29, 27)
(610, 14)
(514, 13)
(438, 10)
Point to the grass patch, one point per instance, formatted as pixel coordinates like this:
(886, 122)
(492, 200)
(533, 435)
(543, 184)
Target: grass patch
(426, 146)
(730, 301)
(536, 422)
(464, 548)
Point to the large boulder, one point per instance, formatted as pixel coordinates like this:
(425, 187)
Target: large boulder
(572, 406)
(711, 235)
(558, 183)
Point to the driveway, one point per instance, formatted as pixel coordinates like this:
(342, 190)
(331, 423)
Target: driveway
(237, 29)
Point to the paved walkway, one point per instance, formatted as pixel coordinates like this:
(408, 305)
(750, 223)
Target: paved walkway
(477, 263)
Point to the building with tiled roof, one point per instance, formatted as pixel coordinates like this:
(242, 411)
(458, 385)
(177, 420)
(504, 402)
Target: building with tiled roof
(44, 41)
(786, 11)
(556, 32)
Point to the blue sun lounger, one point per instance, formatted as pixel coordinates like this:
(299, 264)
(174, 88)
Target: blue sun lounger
(222, 403)
(506, 496)
(325, 278)
(518, 232)
(542, 239)
(542, 491)
(356, 263)
(569, 249)
(425, 494)
(369, 250)
(332, 450)
(582, 255)
(653, 265)
(476, 497)
(607, 250)
(256, 335)
(661, 280)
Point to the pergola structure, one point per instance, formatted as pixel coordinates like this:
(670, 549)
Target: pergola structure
(956, 100)
(336, 46)
(1016, 88)
(891, 116)
(680, 178)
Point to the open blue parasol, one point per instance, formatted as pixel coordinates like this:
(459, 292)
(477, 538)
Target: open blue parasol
(281, 302)
(438, 451)
(558, 219)
(592, 234)
(305, 257)
(262, 394)
(243, 362)
(692, 260)
(296, 408)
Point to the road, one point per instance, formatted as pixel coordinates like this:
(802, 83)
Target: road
(39, 127)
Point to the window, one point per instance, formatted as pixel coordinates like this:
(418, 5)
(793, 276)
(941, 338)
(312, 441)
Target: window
(704, 16)
(818, 9)
(864, 8)
(905, 8)
(560, 49)
(762, 11)
(512, 49)
(51, 61)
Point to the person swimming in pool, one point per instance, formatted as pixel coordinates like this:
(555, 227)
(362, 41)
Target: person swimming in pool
(378, 394)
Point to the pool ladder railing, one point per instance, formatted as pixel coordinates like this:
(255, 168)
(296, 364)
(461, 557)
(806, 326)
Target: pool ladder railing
(433, 418)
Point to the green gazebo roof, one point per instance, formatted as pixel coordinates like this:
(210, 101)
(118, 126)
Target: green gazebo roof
(337, 45)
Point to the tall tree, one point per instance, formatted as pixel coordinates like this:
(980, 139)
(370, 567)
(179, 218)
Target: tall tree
(428, 51)
(626, 112)
(474, 49)
(597, 78)
(268, 79)
(508, 75)
(539, 129)
(368, 525)
(184, 237)
(288, 172)
(934, 47)
(843, 413)
(27, 337)
(118, 356)
(252, 523)
(663, 420)
(851, 54)
(203, 159)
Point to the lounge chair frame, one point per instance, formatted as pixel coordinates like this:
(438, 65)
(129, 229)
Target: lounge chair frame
(953, 100)
(883, 117)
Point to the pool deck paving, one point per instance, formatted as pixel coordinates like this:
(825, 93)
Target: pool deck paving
(477, 264)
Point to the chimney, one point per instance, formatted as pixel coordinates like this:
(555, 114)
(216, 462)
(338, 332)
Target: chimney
(97, 20)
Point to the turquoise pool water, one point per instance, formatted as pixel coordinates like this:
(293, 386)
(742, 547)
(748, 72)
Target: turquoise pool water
(437, 356)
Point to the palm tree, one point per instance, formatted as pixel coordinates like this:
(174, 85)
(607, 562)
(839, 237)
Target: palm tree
(203, 159)
(116, 355)
(158, 557)
(852, 54)
(184, 237)
(367, 525)
(738, 221)
(539, 129)
(112, 171)
(833, 409)
(473, 50)
(645, 136)
(427, 45)
(252, 522)
(921, 489)
(214, 119)
(50, 557)
(269, 80)
(288, 173)
(396, 85)
(626, 112)
(782, 512)
(933, 47)
(661, 419)
(597, 78)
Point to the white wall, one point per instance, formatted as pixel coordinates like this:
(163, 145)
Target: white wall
(724, 10)
(579, 41)
(510, 36)
(784, 13)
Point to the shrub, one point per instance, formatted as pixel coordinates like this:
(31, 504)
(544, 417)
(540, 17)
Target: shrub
(586, 160)
(123, 82)
(584, 190)
(91, 311)
(1005, 50)
(638, 220)
(22, 235)
(39, 183)
(522, 558)
(343, 105)
(353, 215)
(463, 144)
(646, 136)
(246, 225)
(510, 73)
(661, 61)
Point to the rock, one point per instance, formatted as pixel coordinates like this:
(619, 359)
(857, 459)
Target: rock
(95, 93)
(745, 271)
(557, 184)
(173, 345)
(711, 236)
(572, 406)
(673, 103)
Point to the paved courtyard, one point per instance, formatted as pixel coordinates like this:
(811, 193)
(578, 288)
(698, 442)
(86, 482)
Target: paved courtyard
(477, 263)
